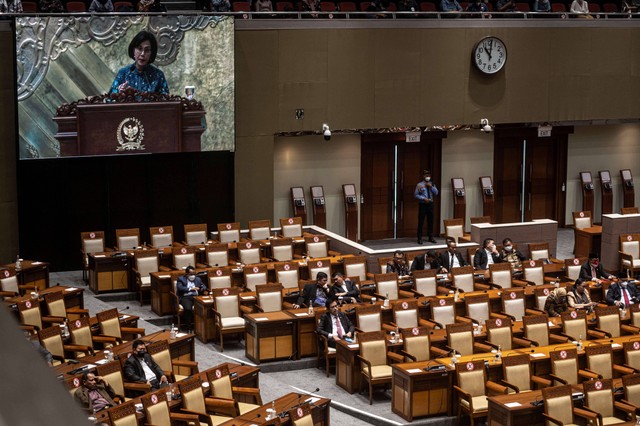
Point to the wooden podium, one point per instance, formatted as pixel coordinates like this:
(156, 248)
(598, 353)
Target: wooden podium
(130, 122)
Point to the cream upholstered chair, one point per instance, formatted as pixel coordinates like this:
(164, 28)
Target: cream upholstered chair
(184, 256)
(80, 330)
(541, 293)
(112, 373)
(533, 272)
(31, 318)
(635, 314)
(91, 242)
(572, 268)
(581, 220)
(473, 388)
(229, 232)
(318, 246)
(426, 283)
(196, 234)
(368, 318)
(301, 416)
(417, 345)
(51, 340)
(56, 307)
(598, 398)
(319, 265)
(608, 322)
(462, 278)
(632, 355)
(574, 326)
(127, 239)
(109, 322)
(356, 266)
(565, 370)
(454, 229)
(161, 354)
(291, 227)
(218, 410)
(269, 297)
(500, 275)
(217, 255)
(220, 277)
(375, 369)
(221, 387)
(500, 335)
(600, 361)
(536, 330)
(513, 303)
(259, 229)
(123, 415)
(631, 387)
(559, 409)
(443, 311)
(161, 236)
(406, 315)
(282, 249)
(518, 375)
(478, 308)
(630, 253)
(460, 339)
(146, 262)
(254, 275)
(387, 286)
(541, 251)
(157, 413)
(288, 274)
(228, 316)
(9, 283)
(249, 252)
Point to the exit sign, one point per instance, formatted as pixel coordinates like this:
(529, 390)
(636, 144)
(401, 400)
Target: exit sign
(544, 131)
(413, 136)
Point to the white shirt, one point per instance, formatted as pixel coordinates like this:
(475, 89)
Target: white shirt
(334, 326)
(454, 263)
(489, 257)
(148, 372)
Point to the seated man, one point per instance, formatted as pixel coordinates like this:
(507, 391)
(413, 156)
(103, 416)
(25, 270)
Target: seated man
(592, 270)
(140, 367)
(429, 260)
(556, 302)
(398, 264)
(334, 324)
(451, 258)
(314, 294)
(345, 289)
(95, 393)
(511, 255)
(189, 285)
(622, 294)
(486, 256)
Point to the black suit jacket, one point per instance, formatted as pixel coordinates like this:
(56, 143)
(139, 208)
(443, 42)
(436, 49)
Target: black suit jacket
(615, 293)
(420, 261)
(481, 261)
(134, 372)
(309, 293)
(325, 326)
(352, 290)
(585, 272)
(445, 260)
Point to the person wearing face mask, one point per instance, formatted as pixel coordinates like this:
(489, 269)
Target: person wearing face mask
(593, 271)
(510, 254)
(451, 258)
(487, 255)
(189, 285)
(398, 264)
(425, 192)
(141, 368)
(578, 296)
(623, 294)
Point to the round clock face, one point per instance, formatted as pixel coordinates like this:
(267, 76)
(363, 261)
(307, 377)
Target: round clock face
(490, 55)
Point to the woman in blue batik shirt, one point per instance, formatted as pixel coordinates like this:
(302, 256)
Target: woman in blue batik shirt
(141, 75)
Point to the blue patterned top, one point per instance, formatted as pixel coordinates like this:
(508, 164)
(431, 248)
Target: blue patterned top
(151, 79)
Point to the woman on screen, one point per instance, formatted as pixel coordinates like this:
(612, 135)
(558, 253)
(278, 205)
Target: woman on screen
(141, 75)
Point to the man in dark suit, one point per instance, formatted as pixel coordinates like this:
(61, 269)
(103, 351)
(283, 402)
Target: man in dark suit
(344, 288)
(334, 324)
(95, 393)
(592, 270)
(429, 260)
(189, 286)
(315, 294)
(141, 368)
(623, 294)
(488, 251)
(451, 258)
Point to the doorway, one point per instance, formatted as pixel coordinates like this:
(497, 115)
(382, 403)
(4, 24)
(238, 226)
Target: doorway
(391, 167)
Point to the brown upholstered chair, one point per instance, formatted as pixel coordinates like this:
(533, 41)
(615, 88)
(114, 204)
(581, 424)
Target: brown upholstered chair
(255, 275)
(319, 265)
(600, 361)
(288, 274)
(51, 340)
(513, 304)
(229, 232)
(387, 287)
(127, 239)
(473, 388)
(109, 322)
(375, 368)
(123, 415)
(443, 311)
(356, 266)
(269, 297)
(112, 373)
(184, 256)
(90, 242)
(211, 411)
(195, 234)
(532, 273)
(406, 315)
(462, 278)
(572, 268)
(541, 251)
(259, 229)
(220, 277)
(56, 307)
(559, 409)
(425, 283)
(454, 229)
(249, 253)
(146, 262)
(598, 398)
(301, 416)
(217, 255)
(318, 246)
(518, 375)
(565, 369)
(536, 330)
(630, 253)
(32, 319)
(161, 354)
(161, 236)
(291, 227)
(282, 249)
(368, 318)
(500, 335)
(157, 413)
(416, 345)
(9, 284)
(80, 330)
(609, 323)
(221, 387)
(574, 326)
(227, 312)
(631, 387)
(461, 340)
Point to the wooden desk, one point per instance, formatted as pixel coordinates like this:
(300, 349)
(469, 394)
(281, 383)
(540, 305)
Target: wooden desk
(32, 273)
(306, 337)
(73, 298)
(520, 233)
(319, 410)
(269, 336)
(613, 225)
(588, 240)
(419, 393)
(109, 272)
(162, 301)
(204, 323)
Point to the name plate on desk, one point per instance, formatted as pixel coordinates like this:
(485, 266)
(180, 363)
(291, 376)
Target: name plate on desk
(261, 319)
(354, 345)
(513, 404)
(164, 276)
(414, 370)
(70, 289)
(303, 314)
(536, 355)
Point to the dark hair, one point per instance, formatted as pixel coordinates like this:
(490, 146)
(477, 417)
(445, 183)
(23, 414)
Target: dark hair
(431, 253)
(189, 268)
(506, 240)
(320, 275)
(137, 343)
(85, 376)
(338, 274)
(141, 37)
(579, 281)
(329, 301)
(398, 252)
(485, 243)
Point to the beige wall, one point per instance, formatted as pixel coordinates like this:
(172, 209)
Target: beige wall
(8, 183)
(594, 148)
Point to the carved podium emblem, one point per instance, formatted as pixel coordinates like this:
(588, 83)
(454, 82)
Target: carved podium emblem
(130, 134)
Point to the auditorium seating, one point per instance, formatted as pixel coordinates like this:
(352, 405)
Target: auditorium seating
(221, 388)
(217, 255)
(425, 283)
(406, 315)
(123, 415)
(56, 307)
(146, 262)
(462, 278)
(454, 229)
(249, 253)
(156, 411)
(80, 331)
(109, 322)
(31, 318)
(559, 409)
(282, 249)
(216, 410)
(600, 361)
(416, 345)
(630, 253)
(373, 357)
(500, 335)
(184, 256)
(161, 236)
(112, 373)
(368, 318)
(219, 277)
(518, 375)
(159, 351)
(90, 242)
(291, 227)
(196, 234)
(51, 339)
(269, 297)
(9, 283)
(127, 239)
(228, 316)
(598, 397)
(565, 369)
(229, 232)
(536, 330)
(254, 275)
(460, 339)
(472, 390)
(259, 229)
(288, 274)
